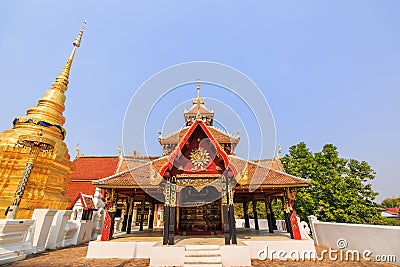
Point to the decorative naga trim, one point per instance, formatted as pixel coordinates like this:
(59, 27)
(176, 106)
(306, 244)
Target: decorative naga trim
(155, 177)
(243, 177)
(25, 119)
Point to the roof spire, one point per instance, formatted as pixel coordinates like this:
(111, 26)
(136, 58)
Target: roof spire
(198, 88)
(78, 150)
(119, 151)
(62, 79)
(278, 152)
(198, 99)
(51, 106)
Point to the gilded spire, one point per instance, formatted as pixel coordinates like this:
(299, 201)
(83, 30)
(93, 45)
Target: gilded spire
(119, 151)
(198, 99)
(278, 152)
(50, 107)
(198, 88)
(61, 82)
(77, 41)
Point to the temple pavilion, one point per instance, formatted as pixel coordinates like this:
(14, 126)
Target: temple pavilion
(196, 182)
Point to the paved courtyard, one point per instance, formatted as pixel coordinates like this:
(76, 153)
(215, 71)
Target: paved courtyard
(76, 256)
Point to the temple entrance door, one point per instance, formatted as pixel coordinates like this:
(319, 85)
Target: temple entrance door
(200, 212)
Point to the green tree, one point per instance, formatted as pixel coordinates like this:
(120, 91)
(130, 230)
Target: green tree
(340, 189)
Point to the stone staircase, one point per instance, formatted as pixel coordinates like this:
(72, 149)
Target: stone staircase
(202, 256)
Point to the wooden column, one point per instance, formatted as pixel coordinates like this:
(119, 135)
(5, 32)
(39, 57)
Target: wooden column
(171, 232)
(284, 213)
(125, 221)
(288, 225)
(166, 224)
(273, 216)
(287, 212)
(113, 209)
(246, 214)
(225, 210)
(130, 215)
(143, 204)
(167, 196)
(232, 222)
(151, 219)
(256, 227)
(269, 215)
(172, 212)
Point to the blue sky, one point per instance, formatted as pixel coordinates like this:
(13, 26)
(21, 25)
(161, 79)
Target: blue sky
(328, 69)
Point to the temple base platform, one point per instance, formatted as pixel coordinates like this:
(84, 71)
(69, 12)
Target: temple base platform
(209, 250)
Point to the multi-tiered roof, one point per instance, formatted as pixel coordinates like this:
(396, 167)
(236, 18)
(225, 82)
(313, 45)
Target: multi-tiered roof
(175, 160)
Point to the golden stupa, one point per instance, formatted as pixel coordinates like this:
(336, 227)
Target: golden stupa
(49, 177)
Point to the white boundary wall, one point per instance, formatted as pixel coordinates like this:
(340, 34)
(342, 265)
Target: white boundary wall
(43, 220)
(13, 244)
(379, 239)
(57, 232)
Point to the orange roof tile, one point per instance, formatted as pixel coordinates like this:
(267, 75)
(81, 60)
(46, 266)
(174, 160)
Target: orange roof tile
(218, 134)
(203, 110)
(139, 175)
(258, 174)
(86, 201)
(130, 162)
(93, 167)
(271, 163)
(263, 175)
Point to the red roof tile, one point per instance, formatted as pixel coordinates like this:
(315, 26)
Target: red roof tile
(219, 135)
(94, 167)
(203, 110)
(130, 162)
(262, 175)
(86, 201)
(393, 210)
(257, 174)
(271, 163)
(139, 175)
(75, 187)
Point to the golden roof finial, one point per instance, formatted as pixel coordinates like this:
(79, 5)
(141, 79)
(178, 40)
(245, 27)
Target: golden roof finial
(62, 79)
(51, 106)
(78, 150)
(198, 99)
(77, 41)
(119, 151)
(278, 152)
(198, 88)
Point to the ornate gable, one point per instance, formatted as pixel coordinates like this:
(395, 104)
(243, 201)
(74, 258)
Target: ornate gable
(198, 153)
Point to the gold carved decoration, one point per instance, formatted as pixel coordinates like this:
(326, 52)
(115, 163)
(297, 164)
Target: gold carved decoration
(193, 182)
(197, 183)
(243, 177)
(197, 175)
(199, 158)
(155, 177)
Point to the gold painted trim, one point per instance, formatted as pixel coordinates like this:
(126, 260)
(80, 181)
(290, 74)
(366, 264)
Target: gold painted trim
(196, 175)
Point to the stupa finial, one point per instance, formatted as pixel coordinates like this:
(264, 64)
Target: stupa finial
(198, 88)
(278, 152)
(77, 41)
(198, 99)
(50, 107)
(62, 79)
